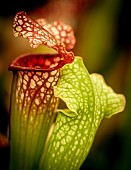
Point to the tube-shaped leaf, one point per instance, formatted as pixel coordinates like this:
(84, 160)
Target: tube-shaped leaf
(91, 100)
(32, 108)
(33, 102)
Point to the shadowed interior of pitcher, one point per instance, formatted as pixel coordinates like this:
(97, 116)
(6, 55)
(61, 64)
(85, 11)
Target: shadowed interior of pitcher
(37, 62)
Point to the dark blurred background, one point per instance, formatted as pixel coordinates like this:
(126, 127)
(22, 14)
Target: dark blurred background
(103, 32)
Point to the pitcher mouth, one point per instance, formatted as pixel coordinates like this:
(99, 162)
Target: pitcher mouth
(37, 62)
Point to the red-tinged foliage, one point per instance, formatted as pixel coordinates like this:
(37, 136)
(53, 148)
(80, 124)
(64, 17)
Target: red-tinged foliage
(56, 35)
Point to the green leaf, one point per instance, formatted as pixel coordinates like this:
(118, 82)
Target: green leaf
(75, 87)
(91, 100)
(112, 102)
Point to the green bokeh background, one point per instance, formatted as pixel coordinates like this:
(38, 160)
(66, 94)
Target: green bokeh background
(103, 32)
